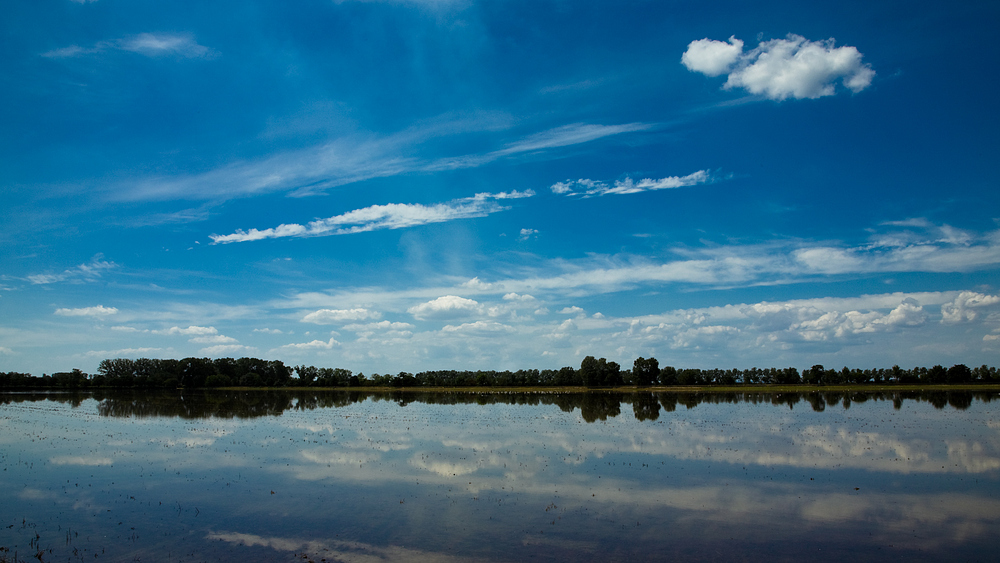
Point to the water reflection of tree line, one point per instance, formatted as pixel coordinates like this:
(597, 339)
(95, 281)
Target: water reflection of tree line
(593, 406)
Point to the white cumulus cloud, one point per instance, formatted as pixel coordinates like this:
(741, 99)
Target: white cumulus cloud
(446, 306)
(381, 325)
(123, 353)
(330, 316)
(835, 324)
(226, 349)
(480, 285)
(189, 331)
(793, 67)
(711, 57)
(213, 339)
(479, 327)
(313, 345)
(963, 308)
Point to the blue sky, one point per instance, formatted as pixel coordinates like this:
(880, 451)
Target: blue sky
(450, 184)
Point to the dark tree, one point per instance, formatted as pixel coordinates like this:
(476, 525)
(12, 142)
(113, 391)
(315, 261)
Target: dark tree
(645, 372)
(689, 377)
(306, 374)
(814, 375)
(937, 374)
(789, 376)
(590, 371)
(668, 376)
(959, 373)
(195, 371)
(600, 373)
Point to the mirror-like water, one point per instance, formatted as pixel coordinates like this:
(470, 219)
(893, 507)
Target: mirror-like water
(233, 476)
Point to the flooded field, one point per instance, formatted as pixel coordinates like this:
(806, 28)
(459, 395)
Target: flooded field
(339, 476)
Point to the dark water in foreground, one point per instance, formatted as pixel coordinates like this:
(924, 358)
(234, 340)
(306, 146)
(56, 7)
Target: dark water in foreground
(236, 476)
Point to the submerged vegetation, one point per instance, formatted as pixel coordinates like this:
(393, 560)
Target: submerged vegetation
(146, 373)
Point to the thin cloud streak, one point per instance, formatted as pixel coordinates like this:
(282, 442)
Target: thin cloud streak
(567, 135)
(146, 44)
(379, 217)
(595, 188)
(90, 271)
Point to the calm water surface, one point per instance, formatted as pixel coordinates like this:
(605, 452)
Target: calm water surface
(410, 477)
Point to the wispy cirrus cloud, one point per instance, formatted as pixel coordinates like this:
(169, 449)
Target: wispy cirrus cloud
(89, 271)
(378, 217)
(147, 44)
(356, 158)
(564, 136)
(596, 188)
(778, 69)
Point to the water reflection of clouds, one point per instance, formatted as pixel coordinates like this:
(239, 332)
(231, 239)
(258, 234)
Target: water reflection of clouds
(442, 448)
(945, 517)
(584, 466)
(30, 493)
(941, 518)
(710, 513)
(336, 457)
(353, 552)
(971, 457)
(445, 463)
(189, 442)
(92, 461)
(828, 447)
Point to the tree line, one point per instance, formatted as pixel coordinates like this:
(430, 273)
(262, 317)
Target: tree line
(147, 373)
